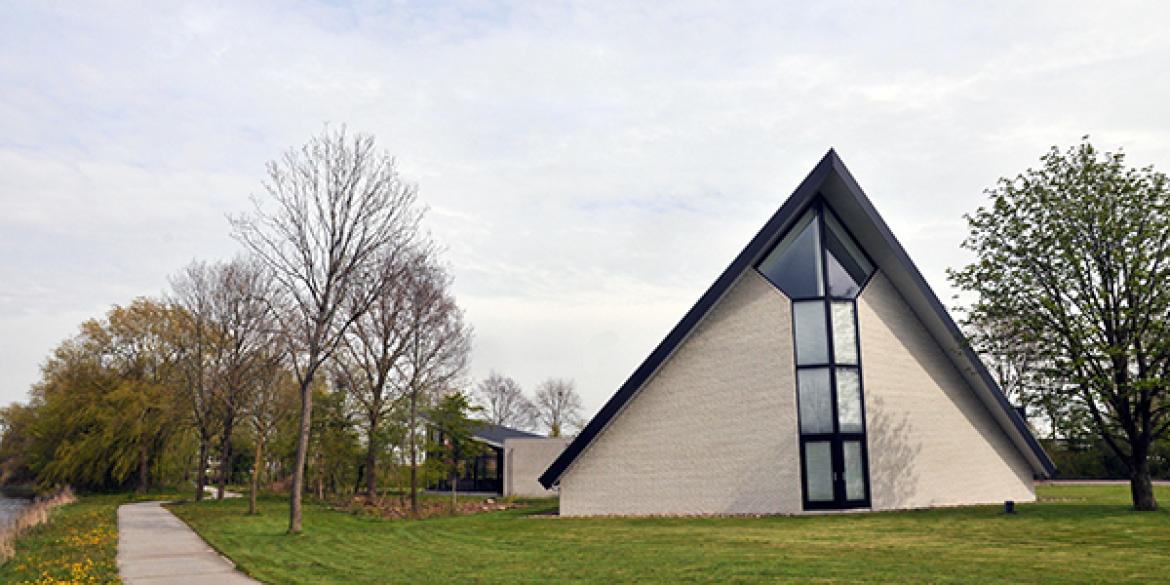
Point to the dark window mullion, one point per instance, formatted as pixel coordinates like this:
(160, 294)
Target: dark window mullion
(836, 439)
(862, 436)
(836, 447)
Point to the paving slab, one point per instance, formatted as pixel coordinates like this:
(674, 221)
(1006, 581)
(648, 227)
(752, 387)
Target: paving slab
(156, 548)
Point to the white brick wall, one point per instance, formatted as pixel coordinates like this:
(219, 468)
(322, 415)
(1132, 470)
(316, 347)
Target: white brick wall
(525, 459)
(931, 440)
(713, 431)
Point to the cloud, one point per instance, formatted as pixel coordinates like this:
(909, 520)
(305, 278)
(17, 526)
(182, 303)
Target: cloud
(590, 167)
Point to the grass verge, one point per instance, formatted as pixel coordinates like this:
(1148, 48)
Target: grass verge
(79, 544)
(1074, 534)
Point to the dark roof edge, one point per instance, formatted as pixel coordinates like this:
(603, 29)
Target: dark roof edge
(803, 193)
(942, 313)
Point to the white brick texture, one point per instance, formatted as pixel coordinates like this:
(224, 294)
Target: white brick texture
(932, 442)
(713, 431)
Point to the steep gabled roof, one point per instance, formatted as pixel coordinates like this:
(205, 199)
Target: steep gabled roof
(833, 182)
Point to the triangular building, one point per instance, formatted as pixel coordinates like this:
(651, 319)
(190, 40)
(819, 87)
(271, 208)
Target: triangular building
(819, 372)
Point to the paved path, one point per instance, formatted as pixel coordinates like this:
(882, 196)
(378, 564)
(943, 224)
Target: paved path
(212, 490)
(155, 547)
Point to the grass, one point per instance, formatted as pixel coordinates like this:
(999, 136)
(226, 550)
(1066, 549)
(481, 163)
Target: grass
(1074, 534)
(78, 545)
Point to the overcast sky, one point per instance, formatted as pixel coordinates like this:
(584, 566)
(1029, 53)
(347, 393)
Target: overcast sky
(590, 168)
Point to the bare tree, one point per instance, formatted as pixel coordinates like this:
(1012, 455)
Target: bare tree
(195, 343)
(558, 405)
(225, 336)
(245, 327)
(437, 346)
(339, 207)
(504, 402)
(366, 363)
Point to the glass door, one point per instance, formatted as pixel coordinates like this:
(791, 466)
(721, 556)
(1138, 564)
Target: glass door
(831, 413)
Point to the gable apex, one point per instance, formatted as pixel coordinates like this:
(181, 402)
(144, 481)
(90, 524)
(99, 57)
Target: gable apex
(831, 182)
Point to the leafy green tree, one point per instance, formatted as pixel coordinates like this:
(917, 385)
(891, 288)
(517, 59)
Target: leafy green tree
(16, 441)
(335, 453)
(105, 409)
(1073, 259)
(452, 419)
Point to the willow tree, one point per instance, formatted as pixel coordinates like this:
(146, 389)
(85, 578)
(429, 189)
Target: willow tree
(1073, 259)
(107, 402)
(334, 208)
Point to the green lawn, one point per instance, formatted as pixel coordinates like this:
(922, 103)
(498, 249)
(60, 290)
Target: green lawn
(1075, 534)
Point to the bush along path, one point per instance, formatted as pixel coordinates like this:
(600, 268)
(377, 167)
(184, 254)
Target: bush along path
(155, 547)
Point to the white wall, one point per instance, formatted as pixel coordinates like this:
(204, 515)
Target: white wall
(931, 440)
(525, 459)
(713, 431)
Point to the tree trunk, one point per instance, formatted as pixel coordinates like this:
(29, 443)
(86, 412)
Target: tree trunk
(298, 483)
(372, 460)
(143, 469)
(413, 456)
(201, 474)
(256, 466)
(225, 450)
(1140, 486)
(455, 489)
(320, 475)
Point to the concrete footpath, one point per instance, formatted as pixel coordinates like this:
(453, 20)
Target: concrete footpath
(155, 547)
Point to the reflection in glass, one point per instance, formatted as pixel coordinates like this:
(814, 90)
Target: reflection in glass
(844, 333)
(819, 265)
(847, 266)
(816, 403)
(841, 283)
(812, 343)
(818, 469)
(794, 265)
(854, 478)
(848, 400)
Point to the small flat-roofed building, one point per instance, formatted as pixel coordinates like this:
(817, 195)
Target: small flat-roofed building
(509, 464)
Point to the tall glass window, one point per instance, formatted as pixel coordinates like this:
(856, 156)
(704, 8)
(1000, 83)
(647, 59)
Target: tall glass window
(821, 267)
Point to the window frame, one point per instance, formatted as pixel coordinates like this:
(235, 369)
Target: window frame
(836, 438)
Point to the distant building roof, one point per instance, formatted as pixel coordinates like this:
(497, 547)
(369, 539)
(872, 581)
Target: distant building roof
(494, 435)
